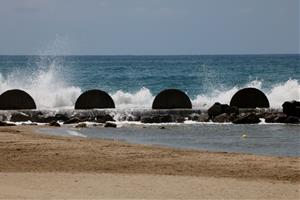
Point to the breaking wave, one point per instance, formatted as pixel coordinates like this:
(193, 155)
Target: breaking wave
(46, 86)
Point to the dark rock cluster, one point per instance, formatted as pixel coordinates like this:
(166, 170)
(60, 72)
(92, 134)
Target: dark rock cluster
(218, 113)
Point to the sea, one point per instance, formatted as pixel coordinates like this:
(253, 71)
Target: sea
(55, 82)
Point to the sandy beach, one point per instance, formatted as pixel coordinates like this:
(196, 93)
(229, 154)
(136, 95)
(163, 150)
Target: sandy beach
(34, 165)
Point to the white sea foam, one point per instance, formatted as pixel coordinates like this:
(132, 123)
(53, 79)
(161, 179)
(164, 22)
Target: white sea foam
(140, 99)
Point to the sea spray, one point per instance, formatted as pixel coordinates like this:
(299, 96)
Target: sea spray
(46, 85)
(289, 90)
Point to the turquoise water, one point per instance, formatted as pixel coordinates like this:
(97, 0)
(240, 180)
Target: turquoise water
(133, 81)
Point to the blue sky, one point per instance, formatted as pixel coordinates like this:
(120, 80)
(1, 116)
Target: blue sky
(135, 27)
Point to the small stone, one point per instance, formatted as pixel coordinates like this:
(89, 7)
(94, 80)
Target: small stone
(222, 118)
(54, 123)
(81, 125)
(73, 120)
(19, 117)
(292, 120)
(110, 125)
(249, 118)
(6, 124)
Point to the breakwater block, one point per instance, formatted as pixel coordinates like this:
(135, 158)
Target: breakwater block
(16, 100)
(94, 99)
(172, 99)
(250, 98)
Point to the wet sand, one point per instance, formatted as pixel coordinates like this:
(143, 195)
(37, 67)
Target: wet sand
(38, 165)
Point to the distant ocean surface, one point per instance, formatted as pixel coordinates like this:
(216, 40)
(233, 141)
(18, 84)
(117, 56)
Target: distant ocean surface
(133, 81)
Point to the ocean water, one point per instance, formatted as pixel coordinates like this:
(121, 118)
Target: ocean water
(261, 139)
(55, 82)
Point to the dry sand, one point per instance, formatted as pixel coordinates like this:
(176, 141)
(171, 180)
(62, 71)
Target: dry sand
(38, 166)
(113, 186)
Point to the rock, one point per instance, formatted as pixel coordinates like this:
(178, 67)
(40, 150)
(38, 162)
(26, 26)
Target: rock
(292, 120)
(247, 118)
(157, 119)
(171, 99)
(4, 117)
(104, 118)
(61, 117)
(162, 119)
(94, 99)
(270, 118)
(276, 118)
(110, 125)
(42, 119)
(215, 110)
(162, 127)
(291, 108)
(81, 125)
(250, 98)
(223, 118)
(73, 120)
(230, 109)
(20, 117)
(126, 117)
(54, 123)
(218, 109)
(147, 119)
(203, 118)
(167, 119)
(6, 124)
(132, 118)
(194, 116)
(16, 100)
(179, 119)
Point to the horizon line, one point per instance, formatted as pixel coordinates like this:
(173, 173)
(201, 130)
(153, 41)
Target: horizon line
(249, 54)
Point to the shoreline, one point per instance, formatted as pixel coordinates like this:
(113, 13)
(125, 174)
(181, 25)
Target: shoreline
(36, 165)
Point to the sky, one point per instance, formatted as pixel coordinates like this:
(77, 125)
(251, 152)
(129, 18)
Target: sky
(149, 27)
